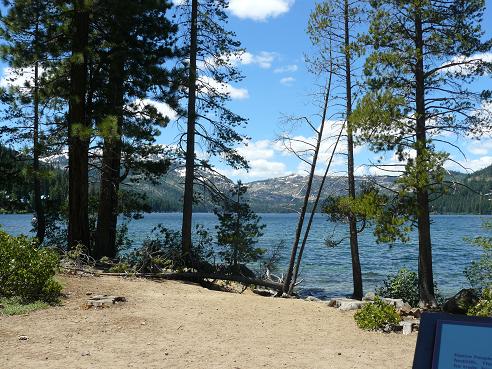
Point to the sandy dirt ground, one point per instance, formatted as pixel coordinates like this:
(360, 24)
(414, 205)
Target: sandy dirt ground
(177, 325)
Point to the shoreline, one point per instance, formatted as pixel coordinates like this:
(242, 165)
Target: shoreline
(181, 325)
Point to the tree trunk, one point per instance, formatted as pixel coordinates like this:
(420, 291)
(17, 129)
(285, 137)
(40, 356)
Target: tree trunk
(107, 218)
(313, 213)
(426, 279)
(354, 244)
(288, 286)
(190, 140)
(38, 204)
(78, 131)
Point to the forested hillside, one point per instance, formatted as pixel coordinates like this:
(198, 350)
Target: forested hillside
(467, 193)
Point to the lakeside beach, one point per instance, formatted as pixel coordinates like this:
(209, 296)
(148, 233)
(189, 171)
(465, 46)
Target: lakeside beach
(174, 324)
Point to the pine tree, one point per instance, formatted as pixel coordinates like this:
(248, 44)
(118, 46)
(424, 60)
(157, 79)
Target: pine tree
(239, 230)
(131, 55)
(79, 129)
(422, 62)
(210, 52)
(29, 29)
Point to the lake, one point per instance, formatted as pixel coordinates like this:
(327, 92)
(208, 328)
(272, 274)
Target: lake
(326, 271)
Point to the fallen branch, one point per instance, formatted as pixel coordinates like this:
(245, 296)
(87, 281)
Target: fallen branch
(194, 277)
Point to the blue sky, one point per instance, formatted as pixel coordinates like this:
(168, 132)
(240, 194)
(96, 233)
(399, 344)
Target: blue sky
(277, 84)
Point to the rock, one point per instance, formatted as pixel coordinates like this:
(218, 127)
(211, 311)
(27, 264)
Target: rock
(406, 309)
(416, 312)
(331, 303)
(407, 327)
(345, 304)
(397, 303)
(370, 296)
(461, 302)
(410, 326)
(23, 338)
(312, 298)
(101, 301)
(263, 292)
(85, 353)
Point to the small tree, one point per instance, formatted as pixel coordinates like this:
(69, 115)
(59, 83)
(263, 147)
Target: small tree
(238, 230)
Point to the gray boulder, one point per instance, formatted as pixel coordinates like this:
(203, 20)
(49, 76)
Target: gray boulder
(461, 302)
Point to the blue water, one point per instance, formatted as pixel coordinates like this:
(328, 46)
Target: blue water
(327, 271)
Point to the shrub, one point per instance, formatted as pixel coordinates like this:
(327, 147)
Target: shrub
(484, 306)
(377, 315)
(27, 271)
(479, 272)
(163, 251)
(404, 285)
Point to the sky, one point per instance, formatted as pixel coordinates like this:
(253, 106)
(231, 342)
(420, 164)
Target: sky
(277, 84)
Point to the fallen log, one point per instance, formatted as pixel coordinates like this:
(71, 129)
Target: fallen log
(195, 277)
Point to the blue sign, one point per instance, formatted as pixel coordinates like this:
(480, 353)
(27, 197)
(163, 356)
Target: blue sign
(463, 345)
(448, 341)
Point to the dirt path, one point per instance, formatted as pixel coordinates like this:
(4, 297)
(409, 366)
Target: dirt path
(178, 325)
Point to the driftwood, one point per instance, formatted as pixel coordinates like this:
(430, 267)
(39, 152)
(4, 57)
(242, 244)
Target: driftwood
(197, 277)
(193, 277)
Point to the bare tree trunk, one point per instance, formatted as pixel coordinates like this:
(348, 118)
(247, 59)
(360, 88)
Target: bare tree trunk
(78, 131)
(38, 204)
(107, 219)
(190, 139)
(426, 279)
(300, 223)
(354, 245)
(313, 213)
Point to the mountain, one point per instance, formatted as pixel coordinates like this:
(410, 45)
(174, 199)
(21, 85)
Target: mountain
(467, 194)
(277, 195)
(285, 194)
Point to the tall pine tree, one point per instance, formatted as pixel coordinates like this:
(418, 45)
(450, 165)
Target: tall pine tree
(211, 53)
(419, 72)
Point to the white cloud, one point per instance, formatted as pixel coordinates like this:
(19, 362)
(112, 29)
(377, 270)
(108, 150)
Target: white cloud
(206, 84)
(480, 147)
(254, 150)
(470, 165)
(17, 77)
(287, 69)
(287, 81)
(259, 10)
(161, 107)
(264, 59)
(471, 63)
(259, 169)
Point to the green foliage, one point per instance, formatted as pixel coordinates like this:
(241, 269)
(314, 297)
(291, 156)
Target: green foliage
(120, 268)
(27, 271)
(377, 315)
(479, 273)
(404, 285)
(238, 230)
(15, 306)
(162, 250)
(371, 206)
(484, 306)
